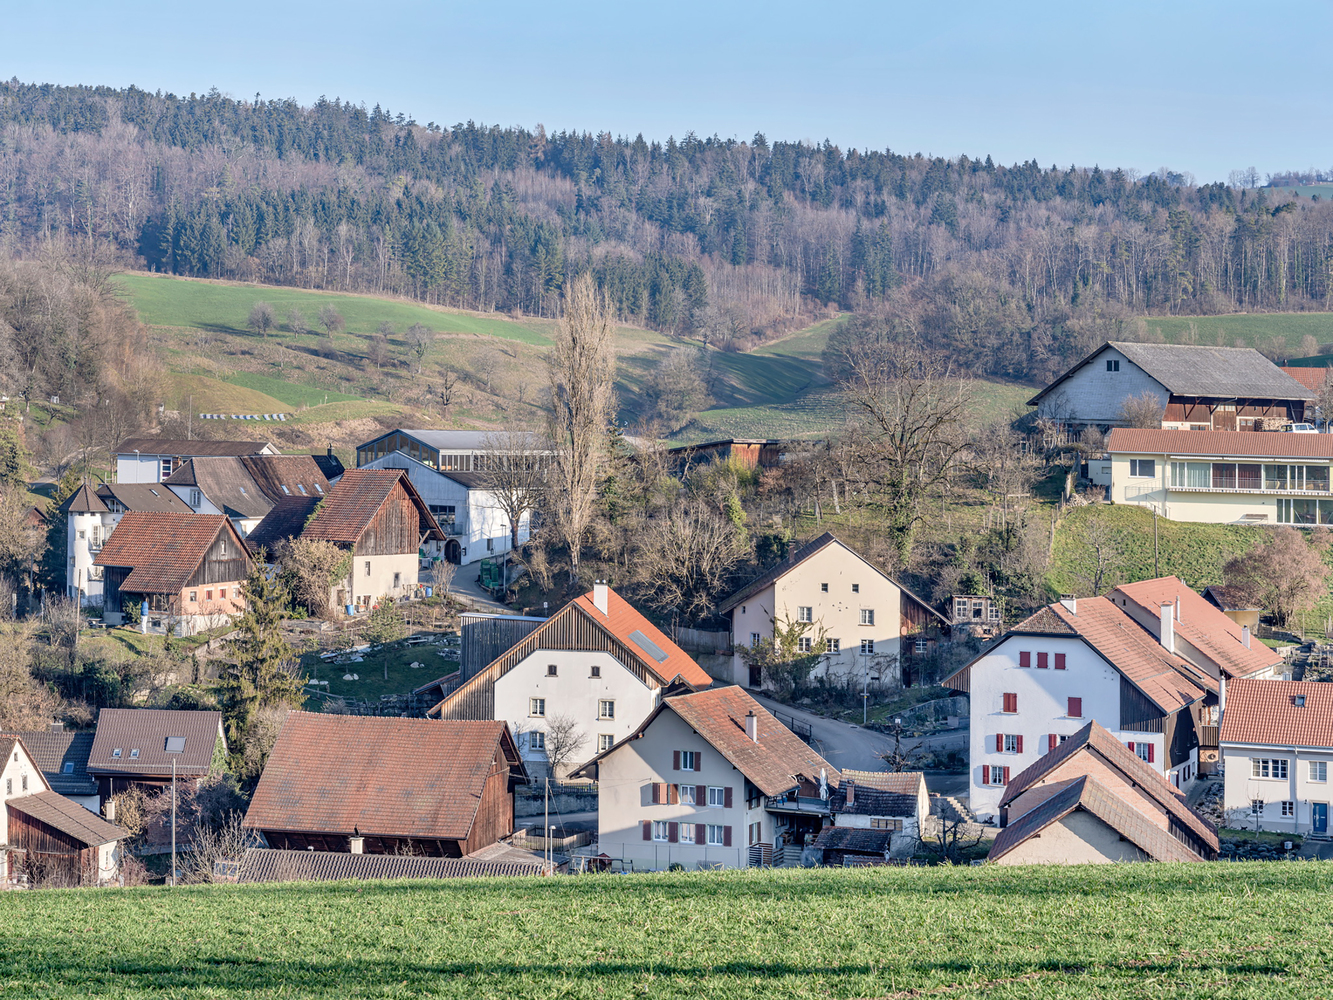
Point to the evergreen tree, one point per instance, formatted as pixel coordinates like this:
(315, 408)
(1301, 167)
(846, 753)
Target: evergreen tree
(264, 672)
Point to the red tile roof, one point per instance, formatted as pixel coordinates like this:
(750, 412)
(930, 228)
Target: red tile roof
(147, 730)
(1219, 444)
(1268, 713)
(353, 502)
(386, 777)
(1311, 378)
(623, 621)
(164, 550)
(1202, 625)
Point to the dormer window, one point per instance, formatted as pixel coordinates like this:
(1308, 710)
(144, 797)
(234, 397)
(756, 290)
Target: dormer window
(286, 491)
(1300, 701)
(196, 498)
(114, 753)
(134, 754)
(243, 493)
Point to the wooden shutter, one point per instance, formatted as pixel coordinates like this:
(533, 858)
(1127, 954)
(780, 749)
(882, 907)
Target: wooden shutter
(675, 760)
(726, 798)
(1011, 701)
(700, 834)
(673, 833)
(1076, 707)
(698, 760)
(673, 795)
(657, 794)
(647, 830)
(701, 795)
(726, 836)
(999, 742)
(1006, 775)
(1043, 660)
(1131, 747)
(1052, 741)
(1151, 748)
(1020, 742)
(1059, 661)
(1025, 659)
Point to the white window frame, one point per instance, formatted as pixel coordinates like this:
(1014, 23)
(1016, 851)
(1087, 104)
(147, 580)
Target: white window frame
(1288, 809)
(686, 794)
(717, 797)
(832, 645)
(991, 774)
(537, 708)
(660, 832)
(754, 639)
(1010, 743)
(1273, 768)
(686, 832)
(689, 760)
(1136, 468)
(1144, 750)
(605, 741)
(868, 616)
(714, 834)
(805, 644)
(805, 614)
(537, 740)
(1319, 770)
(867, 647)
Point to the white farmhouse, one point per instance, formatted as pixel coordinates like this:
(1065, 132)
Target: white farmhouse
(1277, 751)
(596, 666)
(1071, 663)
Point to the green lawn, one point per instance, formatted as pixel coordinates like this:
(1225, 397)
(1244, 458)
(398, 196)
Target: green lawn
(291, 393)
(1281, 332)
(371, 683)
(1251, 931)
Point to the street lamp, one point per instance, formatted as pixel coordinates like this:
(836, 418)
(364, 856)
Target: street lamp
(175, 745)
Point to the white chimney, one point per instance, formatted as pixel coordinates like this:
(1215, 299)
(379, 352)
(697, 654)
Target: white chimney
(1245, 635)
(752, 727)
(1178, 618)
(1070, 602)
(599, 599)
(357, 844)
(109, 810)
(1168, 635)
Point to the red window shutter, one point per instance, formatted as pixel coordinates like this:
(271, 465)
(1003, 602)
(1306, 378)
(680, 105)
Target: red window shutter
(1043, 660)
(673, 833)
(1010, 701)
(647, 830)
(700, 834)
(999, 742)
(1006, 775)
(1076, 707)
(1052, 741)
(1020, 743)
(1059, 661)
(1131, 747)
(701, 795)
(657, 794)
(726, 836)
(726, 798)
(673, 795)
(1151, 748)
(1025, 659)
(675, 760)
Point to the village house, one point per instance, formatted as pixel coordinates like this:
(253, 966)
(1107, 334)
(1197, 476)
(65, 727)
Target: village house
(1235, 605)
(375, 514)
(1224, 477)
(371, 785)
(1071, 662)
(151, 459)
(91, 514)
(448, 470)
(596, 666)
(1198, 388)
(709, 780)
(872, 626)
(887, 811)
(1277, 754)
(45, 837)
(138, 746)
(245, 487)
(183, 572)
(1092, 800)
(62, 756)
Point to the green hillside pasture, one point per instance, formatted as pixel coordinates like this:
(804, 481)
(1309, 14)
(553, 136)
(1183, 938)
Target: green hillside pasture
(808, 343)
(209, 305)
(201, 394)
(294, 394)
(1280, 332)
(1252, 931)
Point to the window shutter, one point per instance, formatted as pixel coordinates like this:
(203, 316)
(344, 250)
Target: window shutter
(673, 832)
(726, 836)
(673, 795)
(675, 760)
(1151, 748)
(1020, 743)
(1059, 661)
(1025, 659)
(726, 798)
(1052, 741)
(1006, 775)
(701, 795)
(1076, 707)
(698, 760)
(657, 794)
(1010, 701)
(1131, 747)
(999, 742)
(700, 834)
(1043, 660)
(647, 830)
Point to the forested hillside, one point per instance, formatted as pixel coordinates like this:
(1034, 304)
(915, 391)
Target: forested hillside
(1015, 268)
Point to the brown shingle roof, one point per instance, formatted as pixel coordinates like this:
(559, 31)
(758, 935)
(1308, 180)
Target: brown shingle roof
(858, 841)
(872, 801)
(356, 498)
(1229, 598)
(902, 782)
(262, 864)
(1218, 444)
(163, 550)
(386, 777)
(147, 730)
(1268, 713)
(286, 520)
(248, 486)
(143, 496)
(1093, 738)
(176, 448)
(68, 817)
(52, 752)
(1045, 622)
(84, 501)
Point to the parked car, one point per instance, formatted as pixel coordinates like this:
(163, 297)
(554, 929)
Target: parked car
(1300, 429)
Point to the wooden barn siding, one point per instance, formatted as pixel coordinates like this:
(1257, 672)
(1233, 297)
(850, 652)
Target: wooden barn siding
(915, 616)
(28, 834)
(486, 639)
(1137, 712)
(112, 579)
(569, 629)
(395, 529)
(219, 568)
(495, 812)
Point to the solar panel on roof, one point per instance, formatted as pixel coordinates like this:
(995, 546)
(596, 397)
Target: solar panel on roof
(175, 744)
(648, 646)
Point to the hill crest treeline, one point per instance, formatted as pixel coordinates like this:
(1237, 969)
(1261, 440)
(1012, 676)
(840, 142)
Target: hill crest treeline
(1016, 267)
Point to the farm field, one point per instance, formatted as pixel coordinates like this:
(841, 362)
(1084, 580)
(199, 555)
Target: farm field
(1253, 930)
(1279, 332)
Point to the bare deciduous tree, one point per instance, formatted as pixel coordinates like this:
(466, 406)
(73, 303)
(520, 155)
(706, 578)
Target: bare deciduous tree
(419, 339)
(227, 842)
(447, 390)
(690, 553)
(515, 474)
(296, 322)
(331, 320)
(1143, 410)
(1101, 557)
(310, 569)
(24, 703)
(581, 369)
(564, 740)
(261, 318)
(1285, 573)
(377, 350)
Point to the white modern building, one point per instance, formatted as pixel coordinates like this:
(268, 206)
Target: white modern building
(151, 459)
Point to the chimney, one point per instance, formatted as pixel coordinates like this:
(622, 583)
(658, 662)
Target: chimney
(1178, 618)
(1245, 635)
(109, 810)
(599, 598)
(851, 791)
(1070, 602)
(1168, 634)
(357, 844)
(752, 726)
(59, 727)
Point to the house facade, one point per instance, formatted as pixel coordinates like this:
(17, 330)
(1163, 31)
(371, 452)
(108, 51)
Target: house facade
(871, 625)
(62, 757)
(91, 515)
(1277, 753)
(709, 779)
(1071, 663)
(892, 805)
(151, 460)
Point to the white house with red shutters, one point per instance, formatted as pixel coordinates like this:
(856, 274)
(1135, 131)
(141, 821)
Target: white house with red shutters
(1072, 663)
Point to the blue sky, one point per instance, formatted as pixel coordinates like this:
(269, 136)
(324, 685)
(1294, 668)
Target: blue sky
(1199, 87)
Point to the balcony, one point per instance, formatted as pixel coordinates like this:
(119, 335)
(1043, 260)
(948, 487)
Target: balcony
(808, 805)
(1207, 737)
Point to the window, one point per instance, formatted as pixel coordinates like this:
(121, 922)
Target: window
(82, 535)
(1144, 750)
(687, 795)
(832, 645)
(689, 760)
(490, 545)
(995, 775)
(1142, 468)
(1288, 808)
(1013, 744)
(536, 740)
(397, 580)
(537, 707)
(595, 671)
(9, 786)
(867, 646)
(717, 797)
(867, 616)
(659, 829)
(804, 614)
(68, 768)
(1112, 364)
(804, 644)
(367, 567)
(301, 489)
(1266, 767)
(856, 588)
(115, 752)
(605, 741)
(222, 594)
(208, 595)
(606, 709)
(1318, 770)
(883, 823)
(166, 467)
(285, 490)
(920, 646)
(823, 588)
(686, 831)
(715, 835)
(754, 639)
(134, 754)
(194, 596)
(1256, 807)
(25, 782)
(1075, 708)
(1010, 703)
(196, 499)
(550, 670)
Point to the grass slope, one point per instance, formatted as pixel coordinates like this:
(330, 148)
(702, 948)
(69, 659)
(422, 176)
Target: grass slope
(1281, 332)
(1144, 931)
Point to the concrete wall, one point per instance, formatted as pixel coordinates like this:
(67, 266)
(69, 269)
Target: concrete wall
(1078, 839)
(1241, 788)
(1092, 395)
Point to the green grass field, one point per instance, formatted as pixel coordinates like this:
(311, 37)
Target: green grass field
(1254, 931)
(291, 393)
(1280, 332)
(370, 672)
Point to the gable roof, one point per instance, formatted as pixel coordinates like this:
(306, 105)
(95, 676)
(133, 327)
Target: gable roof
(163, 550)
(353, 502)
(143, 496)
(53, 751)
(176, 448)
(68, 817)
(329, 464)
(869, 801)
(1201, 624)
(249, 485)
(287, 519)
(623, 632)
(1217, 444)
(1092, 796)
(856, 840)
(775, 764)
(480, 441)
(1266, 712)
(147, 730)
(262, 864)
(1095, 739)
(386, 777)
(902, 782)
(800, 555)
(1228, 598)
(1195, 370)
(1312, 378)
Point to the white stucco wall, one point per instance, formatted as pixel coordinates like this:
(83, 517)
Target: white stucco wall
(1092, 395)
(79, 553)
(141, 468)
(1241, 787)
(1078, 839)
(14, 769)
(368, 587)
(625, 801)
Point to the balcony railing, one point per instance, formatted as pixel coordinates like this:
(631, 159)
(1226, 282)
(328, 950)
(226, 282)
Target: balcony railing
(809, 804)
(1208, 737)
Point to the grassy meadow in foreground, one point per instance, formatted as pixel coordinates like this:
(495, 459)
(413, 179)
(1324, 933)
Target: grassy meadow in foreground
(1218, 930)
